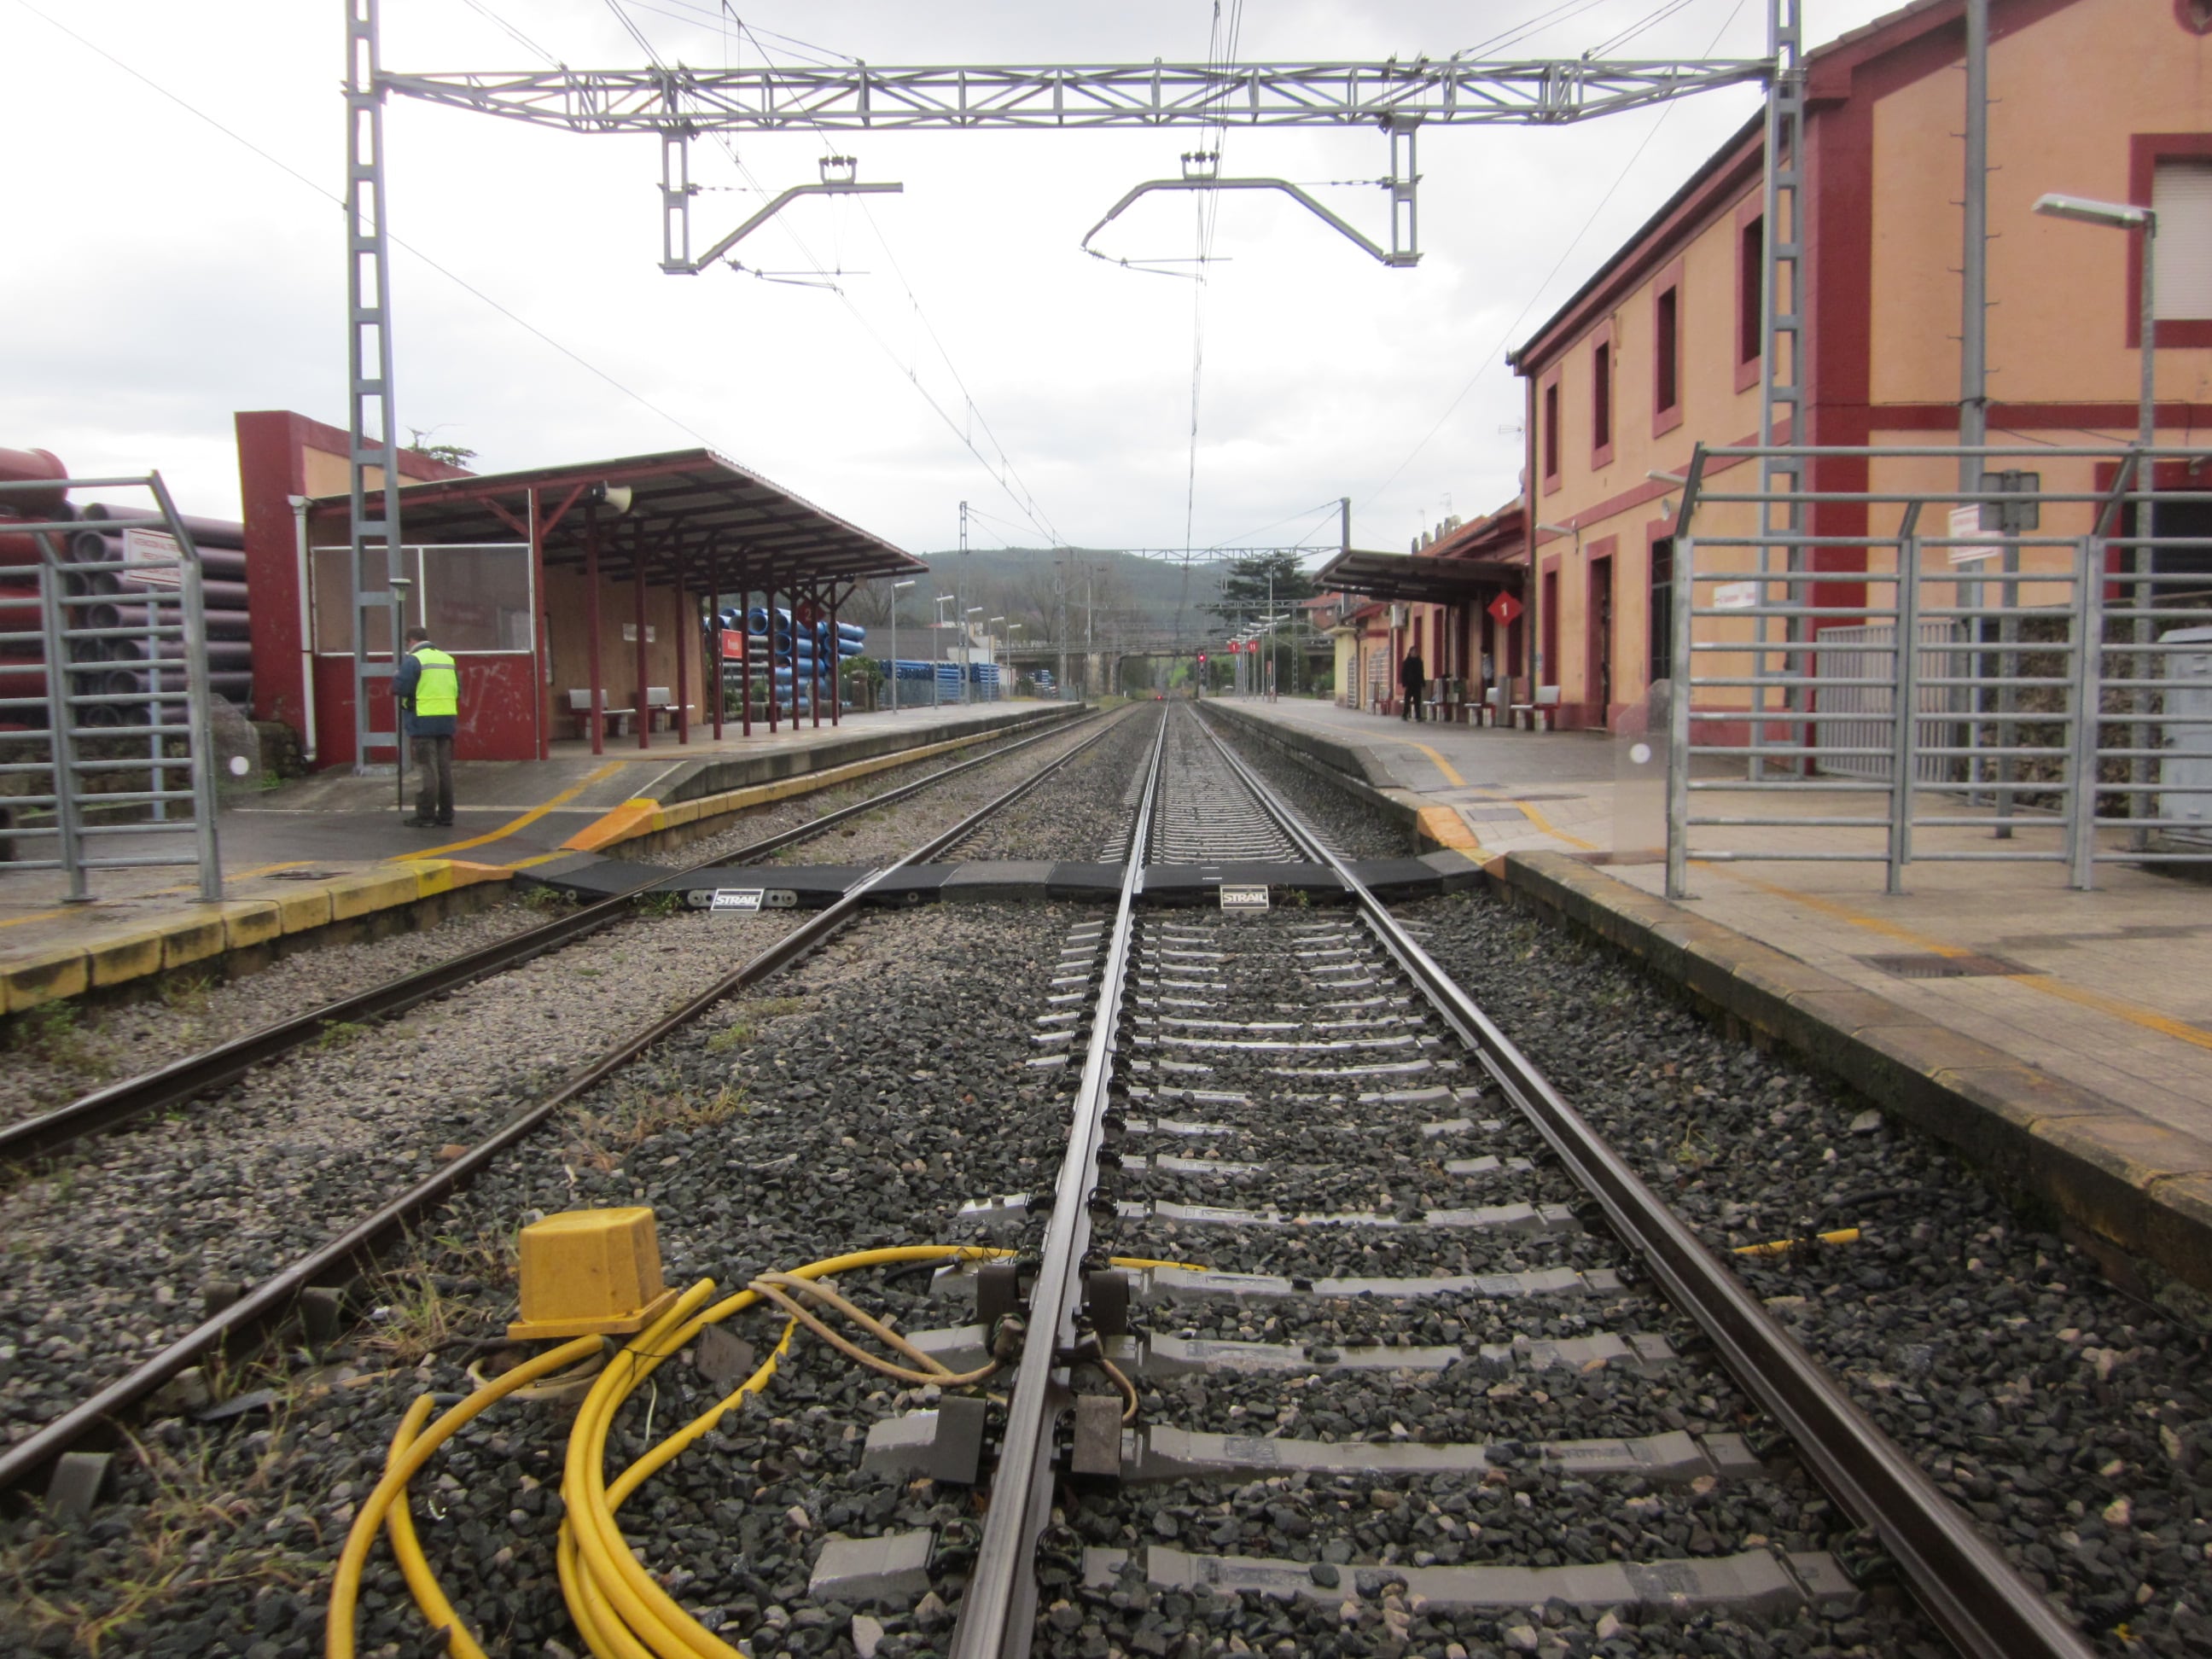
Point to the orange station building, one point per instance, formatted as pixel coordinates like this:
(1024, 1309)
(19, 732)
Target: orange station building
(1660, 349)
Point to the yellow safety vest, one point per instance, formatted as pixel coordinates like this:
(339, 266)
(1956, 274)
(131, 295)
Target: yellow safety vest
(438, 689)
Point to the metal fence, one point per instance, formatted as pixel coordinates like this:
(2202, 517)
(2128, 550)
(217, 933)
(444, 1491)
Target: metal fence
(66, 729)
(2060, 696)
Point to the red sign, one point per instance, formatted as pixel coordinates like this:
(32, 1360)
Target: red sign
(807, 614)
(1506, 608)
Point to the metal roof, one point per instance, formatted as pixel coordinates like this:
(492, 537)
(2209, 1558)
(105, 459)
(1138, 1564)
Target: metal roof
(683, 504)
(1421, 579)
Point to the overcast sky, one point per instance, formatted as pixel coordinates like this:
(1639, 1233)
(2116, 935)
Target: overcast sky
(160, 275)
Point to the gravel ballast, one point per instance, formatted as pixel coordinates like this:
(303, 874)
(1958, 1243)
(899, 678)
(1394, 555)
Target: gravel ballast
(68, 1049)
(854, 1100)
(2071, 1418)
(871, 840)
(1351, 827)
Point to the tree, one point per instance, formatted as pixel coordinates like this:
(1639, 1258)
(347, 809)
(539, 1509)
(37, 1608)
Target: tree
(451, 454)
(1245, 590)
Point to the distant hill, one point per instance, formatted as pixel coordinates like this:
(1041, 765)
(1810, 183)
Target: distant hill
(1130, 596)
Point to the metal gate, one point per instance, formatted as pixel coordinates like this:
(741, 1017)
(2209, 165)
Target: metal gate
(74, 729)
(2040, 692)
(1858, 667)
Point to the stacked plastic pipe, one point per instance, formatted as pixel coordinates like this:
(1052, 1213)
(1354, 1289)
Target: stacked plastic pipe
(125, 599)
(785, 653)
(128, 596)
(23, 664)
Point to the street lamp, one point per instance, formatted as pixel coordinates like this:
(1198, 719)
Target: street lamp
(896, 587)
(991, 648)
(2123, 215)
(967, 650)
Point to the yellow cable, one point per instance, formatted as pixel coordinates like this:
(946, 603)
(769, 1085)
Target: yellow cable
(407, 1549)
(604, 1558)
(345, 1583)
(1783, 1246)
(620, 1610)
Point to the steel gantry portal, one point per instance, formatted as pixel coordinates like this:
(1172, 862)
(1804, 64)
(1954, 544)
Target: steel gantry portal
(677, 103)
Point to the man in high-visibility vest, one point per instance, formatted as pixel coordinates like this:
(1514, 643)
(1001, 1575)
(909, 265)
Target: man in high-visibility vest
(427, 689)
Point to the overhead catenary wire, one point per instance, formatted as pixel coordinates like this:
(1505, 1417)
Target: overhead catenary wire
(397, 241)
(1005, 474)
(1505, 337)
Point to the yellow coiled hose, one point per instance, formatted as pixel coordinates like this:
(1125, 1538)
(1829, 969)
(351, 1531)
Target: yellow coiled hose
(621, 1612)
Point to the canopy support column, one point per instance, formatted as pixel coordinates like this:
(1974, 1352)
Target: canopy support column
(714, 687)
(598, 720)
(644, 669)
(685, 628)
(837, 662)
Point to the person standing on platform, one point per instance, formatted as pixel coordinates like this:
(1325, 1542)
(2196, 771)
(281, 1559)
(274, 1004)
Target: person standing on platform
(1413, 678)
(428, 690)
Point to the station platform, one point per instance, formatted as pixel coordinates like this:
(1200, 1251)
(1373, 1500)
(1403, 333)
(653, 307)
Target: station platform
(332, 847)
(2064, 1037)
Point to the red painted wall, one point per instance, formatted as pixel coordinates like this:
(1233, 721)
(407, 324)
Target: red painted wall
(281, 454)
(496, 719)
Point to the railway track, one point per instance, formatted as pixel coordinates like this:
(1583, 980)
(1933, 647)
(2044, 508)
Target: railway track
(275, 1298)
(1337, 1037)
(171, 1086)
(1413, 1358)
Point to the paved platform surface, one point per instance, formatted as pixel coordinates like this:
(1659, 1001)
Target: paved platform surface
(2114, 991)
(333, 846)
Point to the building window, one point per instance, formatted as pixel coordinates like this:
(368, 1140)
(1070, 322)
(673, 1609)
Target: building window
(1667, 385)
(1552, 430)
(1602, 398)
(2181, 193)
(1750, 287)
(1661, 611)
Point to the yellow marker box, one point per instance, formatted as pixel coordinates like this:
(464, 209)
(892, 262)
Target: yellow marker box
(588, 1272)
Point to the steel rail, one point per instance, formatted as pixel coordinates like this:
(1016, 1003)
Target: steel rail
(1965, 1583)
(998, 1611)
(268, 1303)
(182, 1080)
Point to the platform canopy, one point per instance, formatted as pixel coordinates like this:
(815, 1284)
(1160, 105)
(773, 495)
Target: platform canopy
(1419, 578)
(684, 506)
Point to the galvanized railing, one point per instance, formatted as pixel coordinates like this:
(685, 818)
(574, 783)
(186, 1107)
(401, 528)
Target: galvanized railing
(2057, 699)
(47, 732)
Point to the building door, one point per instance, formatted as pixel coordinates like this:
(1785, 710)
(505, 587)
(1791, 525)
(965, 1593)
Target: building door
(1659, 615)
(1598, 673)
(1548, 641)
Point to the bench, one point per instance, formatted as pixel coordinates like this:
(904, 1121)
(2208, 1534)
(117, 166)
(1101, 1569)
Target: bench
(615, 721)
(1539, 716)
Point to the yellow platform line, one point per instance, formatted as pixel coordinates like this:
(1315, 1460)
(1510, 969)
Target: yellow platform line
(1550, 829)
(514, 825)
(1450, 772)
(2149, 1019)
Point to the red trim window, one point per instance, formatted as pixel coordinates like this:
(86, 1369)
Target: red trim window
(1666, 349)
(1750, 290)
(1548, 398)
(2172, 172)
(1601, 364)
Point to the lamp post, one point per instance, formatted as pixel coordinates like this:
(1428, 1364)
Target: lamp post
(1013, 628)
(967, 651)
(991, 648)
(895, 593)
(937, 623)
(2125, 216)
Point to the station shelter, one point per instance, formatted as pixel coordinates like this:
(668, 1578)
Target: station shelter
(579, 600)
(1440, 600)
